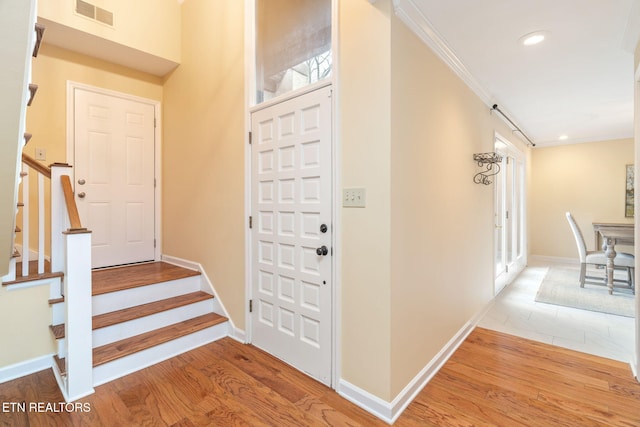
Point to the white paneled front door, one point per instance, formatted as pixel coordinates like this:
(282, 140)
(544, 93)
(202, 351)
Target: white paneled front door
(291, 233)
(114, 151)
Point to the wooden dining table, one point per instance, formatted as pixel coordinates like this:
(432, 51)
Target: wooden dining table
(612, 234)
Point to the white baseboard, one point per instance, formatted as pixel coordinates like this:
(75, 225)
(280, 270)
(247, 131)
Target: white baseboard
(390, 411)
(367, 401)
(234, 332)
(238, 334)
(27, 367)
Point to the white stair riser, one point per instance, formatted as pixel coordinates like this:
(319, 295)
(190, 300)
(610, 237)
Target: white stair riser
(55, 289)
(144, 294)
(129, 364)
(61, 348)
(141, 325)
(57, 314)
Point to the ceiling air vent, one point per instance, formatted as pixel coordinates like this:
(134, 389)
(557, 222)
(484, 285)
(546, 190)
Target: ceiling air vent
(85, 9)
(104, 16)
(91, 11)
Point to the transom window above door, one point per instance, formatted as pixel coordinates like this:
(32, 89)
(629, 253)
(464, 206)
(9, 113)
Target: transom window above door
(293, 45)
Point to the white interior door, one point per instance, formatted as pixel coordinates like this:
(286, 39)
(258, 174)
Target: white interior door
(114, 151)
(291, 233)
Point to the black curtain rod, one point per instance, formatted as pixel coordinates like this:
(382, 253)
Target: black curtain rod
(495, 107)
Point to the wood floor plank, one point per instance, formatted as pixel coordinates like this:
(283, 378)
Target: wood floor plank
(227, 383)
(131, 276)
(264, 368)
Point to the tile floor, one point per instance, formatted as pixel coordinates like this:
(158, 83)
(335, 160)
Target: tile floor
(516, 312)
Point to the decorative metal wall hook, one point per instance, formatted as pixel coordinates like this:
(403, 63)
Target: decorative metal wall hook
(491, 164)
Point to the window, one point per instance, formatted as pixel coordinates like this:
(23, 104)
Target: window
(293, 45)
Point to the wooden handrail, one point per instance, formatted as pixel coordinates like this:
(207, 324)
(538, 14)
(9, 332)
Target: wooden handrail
(70, 201)
(34, 164)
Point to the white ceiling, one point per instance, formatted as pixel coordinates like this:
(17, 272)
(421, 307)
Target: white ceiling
(578, 82)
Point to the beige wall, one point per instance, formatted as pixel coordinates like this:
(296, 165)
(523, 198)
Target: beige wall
(27, 310)
(16, 23)
(365, 139)
(587, 180)
(151, 26)
(441, 221)
(203, 149)
(53, 68)
(408, 131)
(26, 316)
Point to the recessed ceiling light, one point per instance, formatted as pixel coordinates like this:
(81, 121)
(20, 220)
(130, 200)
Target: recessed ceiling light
(533, 38)
(563, 137)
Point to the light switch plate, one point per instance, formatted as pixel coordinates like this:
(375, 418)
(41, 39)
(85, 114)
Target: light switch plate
(354, 197)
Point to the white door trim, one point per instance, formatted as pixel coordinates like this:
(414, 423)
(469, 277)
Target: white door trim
(71, 87)
(518, 264)
(635, 361)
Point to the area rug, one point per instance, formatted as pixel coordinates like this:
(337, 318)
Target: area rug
(561, 287)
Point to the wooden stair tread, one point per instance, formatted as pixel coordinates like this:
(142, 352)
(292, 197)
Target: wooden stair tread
(118, 349)
(57, 331)
(138, 311)
(110, 352)
(132, 276)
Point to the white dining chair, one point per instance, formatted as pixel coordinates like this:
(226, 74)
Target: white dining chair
(598, 258)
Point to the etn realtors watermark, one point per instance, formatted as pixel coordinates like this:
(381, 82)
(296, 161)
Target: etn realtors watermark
(54, 407)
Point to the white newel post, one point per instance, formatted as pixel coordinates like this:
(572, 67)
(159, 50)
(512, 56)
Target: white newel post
(77, 277)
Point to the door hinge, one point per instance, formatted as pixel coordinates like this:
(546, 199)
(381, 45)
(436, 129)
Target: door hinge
(250, 137)
(154, 243)
(507, 214)
(155, 183)
(250, 221)
(250, 306)
(155, 122)
(506, 268)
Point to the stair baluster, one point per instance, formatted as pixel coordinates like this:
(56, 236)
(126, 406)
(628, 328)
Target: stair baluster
(25, 220)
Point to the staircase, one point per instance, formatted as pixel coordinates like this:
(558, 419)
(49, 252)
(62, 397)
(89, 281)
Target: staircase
(110, 322)
(143, 314)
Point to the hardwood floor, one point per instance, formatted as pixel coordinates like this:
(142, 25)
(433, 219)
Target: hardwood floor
(493, 379)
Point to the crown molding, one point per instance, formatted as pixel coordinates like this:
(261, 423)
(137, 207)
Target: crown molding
(411, 15)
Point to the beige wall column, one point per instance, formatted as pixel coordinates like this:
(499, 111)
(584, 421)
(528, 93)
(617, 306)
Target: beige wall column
(203, 150)
(365, 140)
(441, 221)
